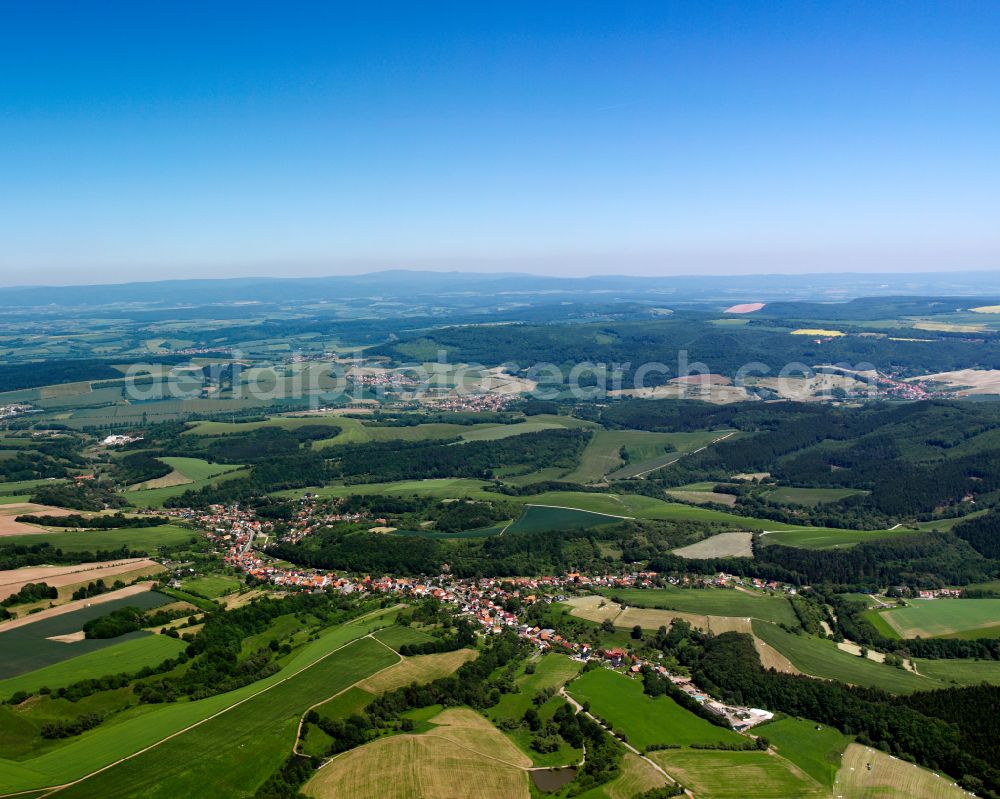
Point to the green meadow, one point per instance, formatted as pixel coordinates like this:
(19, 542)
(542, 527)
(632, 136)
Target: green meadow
(814, 748)
(646, 721)
(145, 539)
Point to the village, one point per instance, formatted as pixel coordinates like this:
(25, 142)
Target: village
(484, 600)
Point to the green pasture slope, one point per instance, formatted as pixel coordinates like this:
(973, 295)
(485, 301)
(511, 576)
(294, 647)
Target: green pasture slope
(810, 497)
(821, 658)
(127, 656)
(829, 538)
(397, 636)
(814, 748)
(932, 618)
(145, 539)
(646, 721)
(155, 497)
(27, 648)
(542, 518)
(952, 671)
(709, 602)
(246, 733)
(197, 468)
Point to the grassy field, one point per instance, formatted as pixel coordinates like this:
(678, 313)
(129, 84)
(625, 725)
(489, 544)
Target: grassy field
(145, 539)
(539, 519)
(397, 635)
(22, 487)
(738, 775)
(821, 658)
(130, 655)
(814, 748)
(828, 538)
(463, 755)
(810, 497)
(930, 618)
(710, 602)
(961, 672)
(602, 455)
(722, 545)
(621, 701)
(646, 453)
(28, 648)
(230, 734)
(419, 669)
(637, 776)
(889, 778)
(213, 585)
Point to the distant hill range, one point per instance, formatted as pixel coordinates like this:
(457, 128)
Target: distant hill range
(428, 286)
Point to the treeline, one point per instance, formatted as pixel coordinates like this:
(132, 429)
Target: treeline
(31, 592)
(17, 556)
(917, 728)
(378, 462)
(218, 662)
(138, 467)
(83, 495)
(111, 522)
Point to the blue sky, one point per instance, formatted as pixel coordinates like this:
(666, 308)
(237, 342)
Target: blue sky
(147, 140)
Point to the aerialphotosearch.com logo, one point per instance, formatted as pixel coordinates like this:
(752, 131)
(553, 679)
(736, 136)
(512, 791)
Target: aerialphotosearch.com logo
(315, 382)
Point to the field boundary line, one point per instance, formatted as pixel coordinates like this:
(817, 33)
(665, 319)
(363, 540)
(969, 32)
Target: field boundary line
(581, 510)
(56, 788)
(639, 475)
(302, 718)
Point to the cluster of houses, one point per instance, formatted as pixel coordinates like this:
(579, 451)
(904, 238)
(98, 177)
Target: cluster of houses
(493, 603)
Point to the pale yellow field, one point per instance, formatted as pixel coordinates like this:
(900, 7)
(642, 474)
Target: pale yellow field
(417, 669)
(702, 497)
(637, 777)
(174, 478)
(949, 327)
(817, 331)
(889, 778)
(986, 309)
(590, 608)
(464, 757)
(771, 658)
(723, 545)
